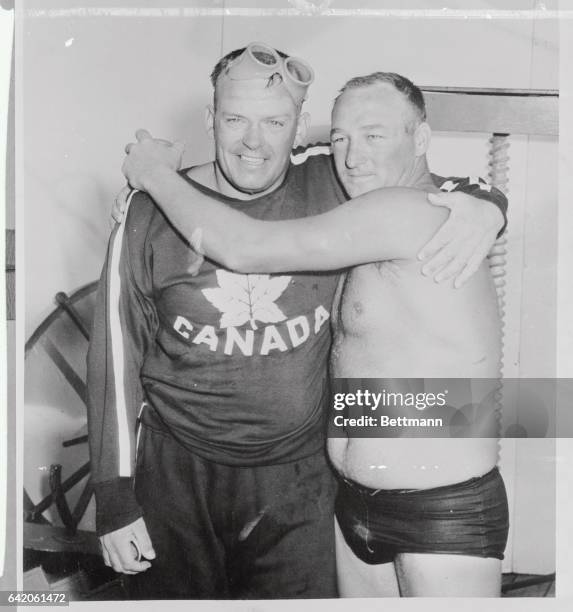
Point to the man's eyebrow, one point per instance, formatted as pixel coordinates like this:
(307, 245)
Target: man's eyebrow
(284, 116)
(370, 126)
(374, 126)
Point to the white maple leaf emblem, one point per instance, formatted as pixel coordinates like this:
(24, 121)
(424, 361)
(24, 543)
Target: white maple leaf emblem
(246, 298)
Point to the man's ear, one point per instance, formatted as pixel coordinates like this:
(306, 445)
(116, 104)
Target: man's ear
(422, 137)
(209, 118)
(302, 125)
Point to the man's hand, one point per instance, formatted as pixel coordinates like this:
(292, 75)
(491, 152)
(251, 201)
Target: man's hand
(127, 548)
(464, 240)
(120, 204)
(149, 154)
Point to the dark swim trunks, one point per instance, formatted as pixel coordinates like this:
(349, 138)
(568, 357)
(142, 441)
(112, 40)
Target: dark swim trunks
(466, 518)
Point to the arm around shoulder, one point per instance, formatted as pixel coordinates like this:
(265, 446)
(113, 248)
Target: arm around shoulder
(383, 224)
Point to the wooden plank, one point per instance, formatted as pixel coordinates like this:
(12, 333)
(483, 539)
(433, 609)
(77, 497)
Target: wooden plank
(535, 590)
(49, 538)
(498, 91)
(493, 113)
(551, 590)
(503, 111)
(528, 585)
(66, 368)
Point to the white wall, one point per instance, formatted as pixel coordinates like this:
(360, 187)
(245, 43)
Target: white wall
(89, 82)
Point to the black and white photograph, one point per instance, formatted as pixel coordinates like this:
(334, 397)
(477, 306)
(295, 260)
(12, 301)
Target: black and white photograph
(289, 315)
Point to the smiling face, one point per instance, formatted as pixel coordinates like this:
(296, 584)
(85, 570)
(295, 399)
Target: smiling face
(255, 129)
(374, 138)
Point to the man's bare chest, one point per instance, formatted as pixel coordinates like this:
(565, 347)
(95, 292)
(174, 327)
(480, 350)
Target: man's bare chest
(370, 296)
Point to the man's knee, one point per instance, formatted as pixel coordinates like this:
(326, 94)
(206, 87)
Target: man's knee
(443, 575)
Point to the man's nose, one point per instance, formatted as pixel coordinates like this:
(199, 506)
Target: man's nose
(252, 137)
(354, 155)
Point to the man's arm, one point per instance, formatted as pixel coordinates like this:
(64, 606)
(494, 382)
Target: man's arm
(149, 166)
(122, 328)
(381, 225)
(384, 224)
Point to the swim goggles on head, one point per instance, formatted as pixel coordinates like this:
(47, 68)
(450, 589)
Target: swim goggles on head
(259, 61)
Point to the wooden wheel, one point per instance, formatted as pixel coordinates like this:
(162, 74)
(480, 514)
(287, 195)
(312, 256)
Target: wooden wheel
(58, 505)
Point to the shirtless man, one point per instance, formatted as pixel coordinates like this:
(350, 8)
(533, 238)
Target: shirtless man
(385, 329)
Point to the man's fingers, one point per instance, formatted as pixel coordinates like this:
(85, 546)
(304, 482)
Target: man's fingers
(116, 214)
(459, 251)
(124, 560)
(115, 562)
(144, 545)
(131, 566)
(130, 551)
(474, 261)
(134, 567)
(142, 134)
(469, 270)
(120, 204)
(122, 548)
(436, 244)
(441, 259)
(122, 197)
(106, 558)
(455, 266)
(105, 552)
(459, 247)
(136, 553)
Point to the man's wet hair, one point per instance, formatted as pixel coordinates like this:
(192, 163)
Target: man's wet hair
(226, 60)
(411, 92)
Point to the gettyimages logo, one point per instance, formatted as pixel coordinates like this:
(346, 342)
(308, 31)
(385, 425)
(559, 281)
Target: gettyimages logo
(452, 408)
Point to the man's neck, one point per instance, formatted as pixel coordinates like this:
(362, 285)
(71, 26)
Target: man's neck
(418, 176)
(209, 175)
(223, 186)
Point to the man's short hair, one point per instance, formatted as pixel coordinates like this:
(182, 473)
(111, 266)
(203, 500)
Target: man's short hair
(411, 92)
